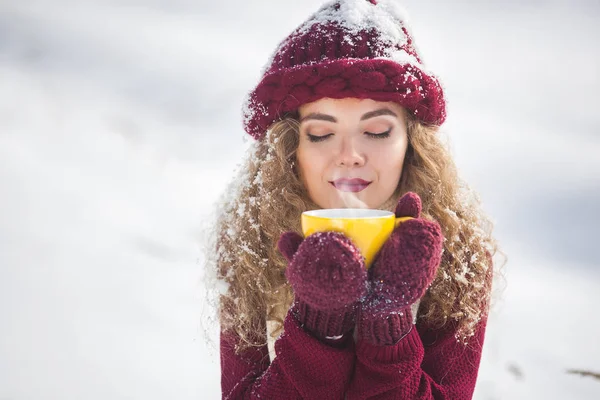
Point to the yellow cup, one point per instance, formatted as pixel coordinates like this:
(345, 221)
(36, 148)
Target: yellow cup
(368, 229)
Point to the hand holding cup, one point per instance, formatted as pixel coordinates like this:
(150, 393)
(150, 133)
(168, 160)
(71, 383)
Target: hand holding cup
(401, 274)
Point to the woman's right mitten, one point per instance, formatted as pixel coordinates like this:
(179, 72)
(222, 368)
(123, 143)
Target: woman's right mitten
(328, 276)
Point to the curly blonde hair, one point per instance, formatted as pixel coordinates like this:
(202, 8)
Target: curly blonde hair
(271, 198)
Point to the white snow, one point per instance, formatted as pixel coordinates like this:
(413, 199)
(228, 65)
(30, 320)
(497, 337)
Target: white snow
(120, 127)
(388, 17)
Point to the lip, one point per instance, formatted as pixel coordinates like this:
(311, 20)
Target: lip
(353, 185)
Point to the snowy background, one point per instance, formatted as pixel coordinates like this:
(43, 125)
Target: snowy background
(120, 126)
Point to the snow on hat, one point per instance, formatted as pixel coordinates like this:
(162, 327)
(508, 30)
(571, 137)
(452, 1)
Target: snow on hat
(348, 48)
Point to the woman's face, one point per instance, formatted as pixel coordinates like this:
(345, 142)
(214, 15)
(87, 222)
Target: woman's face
(351, 151)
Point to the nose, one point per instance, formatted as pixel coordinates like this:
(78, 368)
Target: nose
(350, 155)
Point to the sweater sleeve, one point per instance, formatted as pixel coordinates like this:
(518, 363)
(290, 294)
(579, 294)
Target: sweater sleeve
(305, 368)
(425, 365)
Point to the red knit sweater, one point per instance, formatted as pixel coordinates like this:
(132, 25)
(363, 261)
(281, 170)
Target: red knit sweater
(426, 364)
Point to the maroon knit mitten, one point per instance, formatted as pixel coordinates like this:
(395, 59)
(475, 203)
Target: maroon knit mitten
(402, 272)
(328, 276)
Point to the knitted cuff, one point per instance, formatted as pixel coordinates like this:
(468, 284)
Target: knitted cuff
(325, 324)
(387, 329)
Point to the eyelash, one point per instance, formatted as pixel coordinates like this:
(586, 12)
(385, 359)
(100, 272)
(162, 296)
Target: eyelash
(381, 135)
(316, 139)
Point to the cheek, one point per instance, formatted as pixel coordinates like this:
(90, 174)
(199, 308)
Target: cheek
(390, 163)
(309, 166)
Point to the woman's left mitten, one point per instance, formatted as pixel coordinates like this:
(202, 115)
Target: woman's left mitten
(401, 274)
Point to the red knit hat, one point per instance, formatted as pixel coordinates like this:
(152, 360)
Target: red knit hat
(349, 48)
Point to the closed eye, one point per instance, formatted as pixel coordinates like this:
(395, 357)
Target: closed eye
(381, 135)
(315, 138)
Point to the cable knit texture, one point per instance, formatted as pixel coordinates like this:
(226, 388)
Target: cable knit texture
(328, 276)
(402, 272)
(427, 364)
(305, 367)
(349, 48)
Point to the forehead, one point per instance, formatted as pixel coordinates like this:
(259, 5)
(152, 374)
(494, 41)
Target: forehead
(348, 107)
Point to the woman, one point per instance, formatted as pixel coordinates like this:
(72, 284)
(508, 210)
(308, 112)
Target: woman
(346, 115)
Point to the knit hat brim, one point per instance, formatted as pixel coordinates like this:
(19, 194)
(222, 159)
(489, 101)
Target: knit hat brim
(285, 89)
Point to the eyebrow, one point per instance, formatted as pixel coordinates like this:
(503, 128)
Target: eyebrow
(329, 118)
